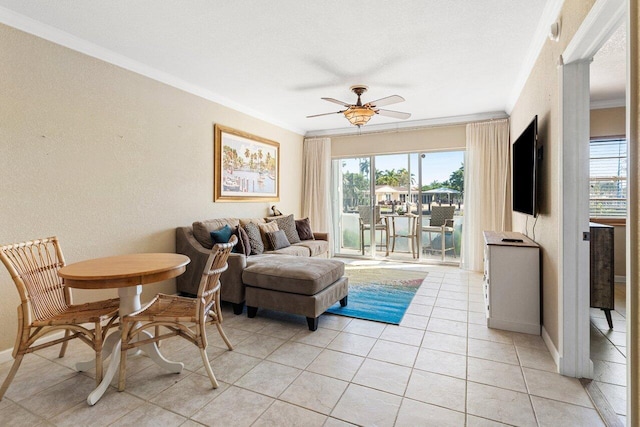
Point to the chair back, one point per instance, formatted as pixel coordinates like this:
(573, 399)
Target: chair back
(210, 282)
(365, 214)
(34, 266)
(440, 215)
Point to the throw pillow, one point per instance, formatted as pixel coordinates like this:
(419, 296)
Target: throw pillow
(303, 226)
(288, 225)
(243, 241)
(255, 240)
(239, 246)
(264, 229)
(278, 239)
(202, 229)
(222, 235)
(202, 235)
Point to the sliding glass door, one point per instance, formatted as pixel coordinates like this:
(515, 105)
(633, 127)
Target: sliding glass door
(351, 199)
(403, 207)
(397, 193)
(442, 208)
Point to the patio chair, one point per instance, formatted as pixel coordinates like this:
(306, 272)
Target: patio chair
(46, 305)
(441, 223)
(182, 316)
(379, 223)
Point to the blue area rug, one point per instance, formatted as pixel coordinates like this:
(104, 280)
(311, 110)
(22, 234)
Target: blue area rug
(379, 294)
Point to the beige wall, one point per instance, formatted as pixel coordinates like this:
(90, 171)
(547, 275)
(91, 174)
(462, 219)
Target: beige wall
(541, 96)
(612, 122)
(608, 122)
(108, 160)
(437, 138)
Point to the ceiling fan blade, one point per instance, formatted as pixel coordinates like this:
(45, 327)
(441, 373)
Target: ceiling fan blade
(335, 101)
(326, 114)
(394, 114)
(393, 99)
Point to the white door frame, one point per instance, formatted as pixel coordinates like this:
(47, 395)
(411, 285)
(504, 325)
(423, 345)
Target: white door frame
(603, 19)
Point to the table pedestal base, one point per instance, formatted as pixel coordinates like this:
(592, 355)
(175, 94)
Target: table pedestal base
(129, 302)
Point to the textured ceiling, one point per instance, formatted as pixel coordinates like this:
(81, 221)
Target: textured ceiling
(608, 69)
(278, 58)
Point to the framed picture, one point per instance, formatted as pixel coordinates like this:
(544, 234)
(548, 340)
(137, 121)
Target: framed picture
(246, 167)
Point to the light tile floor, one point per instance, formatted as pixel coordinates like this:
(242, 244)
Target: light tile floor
(608, 353)
(440, 367)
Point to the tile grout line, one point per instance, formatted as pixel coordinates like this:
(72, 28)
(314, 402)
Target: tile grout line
(376, 340)
(466, 371)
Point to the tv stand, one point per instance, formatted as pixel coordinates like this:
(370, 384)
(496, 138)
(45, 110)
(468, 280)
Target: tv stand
(512, 282)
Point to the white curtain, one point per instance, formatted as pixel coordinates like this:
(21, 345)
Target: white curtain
(487, 192)
(316, 183)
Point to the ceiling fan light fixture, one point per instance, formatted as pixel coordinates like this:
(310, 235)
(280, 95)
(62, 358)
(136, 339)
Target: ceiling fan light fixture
(358, 116)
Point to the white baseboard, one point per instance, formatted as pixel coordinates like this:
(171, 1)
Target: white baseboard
(620, 279)
(6, 355)
(552, 348)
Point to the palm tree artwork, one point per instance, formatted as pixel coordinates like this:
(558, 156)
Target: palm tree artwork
(249, 167)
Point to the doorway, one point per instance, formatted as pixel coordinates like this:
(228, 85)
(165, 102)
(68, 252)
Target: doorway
(603, 20)
(608, 206)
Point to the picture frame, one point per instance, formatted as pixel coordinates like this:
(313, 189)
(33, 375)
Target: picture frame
(246, 167)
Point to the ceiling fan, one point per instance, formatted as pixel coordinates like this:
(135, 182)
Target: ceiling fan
(359, 114)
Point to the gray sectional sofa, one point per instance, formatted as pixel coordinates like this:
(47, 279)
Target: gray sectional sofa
(196, 242)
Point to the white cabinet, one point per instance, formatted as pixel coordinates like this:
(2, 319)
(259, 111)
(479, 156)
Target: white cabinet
(512, 282)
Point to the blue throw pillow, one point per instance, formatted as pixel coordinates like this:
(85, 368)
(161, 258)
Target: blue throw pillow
(222, 235)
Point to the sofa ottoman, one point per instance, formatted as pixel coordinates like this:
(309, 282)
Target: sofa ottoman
(304, 286)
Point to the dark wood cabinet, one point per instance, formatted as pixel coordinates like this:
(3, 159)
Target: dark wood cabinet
(601, 268)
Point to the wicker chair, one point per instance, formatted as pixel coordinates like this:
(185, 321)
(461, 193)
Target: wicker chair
(185, 317)
(441, 222)
(46, 306)
(379, 223)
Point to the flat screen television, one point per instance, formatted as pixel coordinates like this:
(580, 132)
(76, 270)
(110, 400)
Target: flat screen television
(524, 171)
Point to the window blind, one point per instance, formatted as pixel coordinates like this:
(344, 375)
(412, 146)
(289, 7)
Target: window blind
(608, 178)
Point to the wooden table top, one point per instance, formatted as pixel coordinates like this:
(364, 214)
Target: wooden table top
(123, 270)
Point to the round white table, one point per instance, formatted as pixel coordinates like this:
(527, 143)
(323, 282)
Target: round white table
(127, 273)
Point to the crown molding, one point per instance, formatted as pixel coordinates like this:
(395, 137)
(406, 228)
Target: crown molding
(601, 22)
(549, 16)
(406, 126)
(62, 38)
(608, 103)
